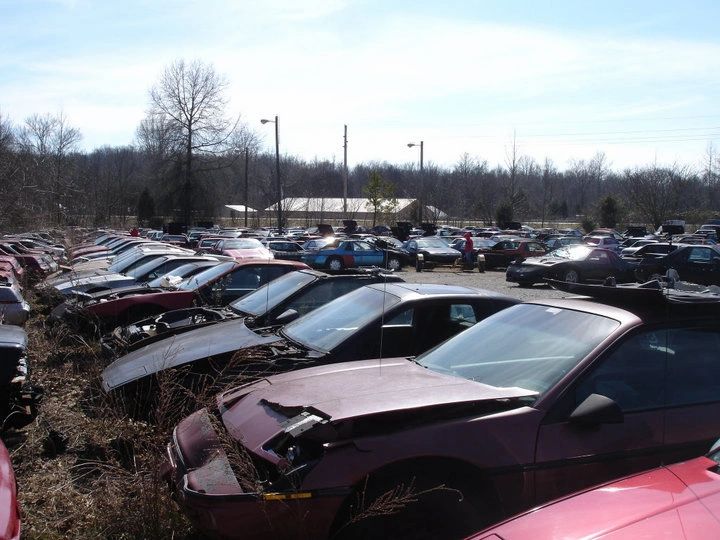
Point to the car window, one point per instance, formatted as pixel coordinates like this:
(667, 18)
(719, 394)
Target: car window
(404, 318)
(363, 246)
(313, 298)
(700, 254)
(632, 375)
(693, 367)
(462, 314)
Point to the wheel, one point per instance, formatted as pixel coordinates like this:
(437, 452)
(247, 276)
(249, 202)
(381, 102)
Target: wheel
(438, 506)
(571, 276)
(335, 264)
(481, 267)
(393, 264)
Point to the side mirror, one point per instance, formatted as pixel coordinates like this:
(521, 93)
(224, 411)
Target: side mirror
(287, 316)
(597, 409)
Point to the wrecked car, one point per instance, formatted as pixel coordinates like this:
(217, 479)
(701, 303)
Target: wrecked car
(17, 397)
(217, 285)
(13, 307)
(537, 401)
(279, 302)
(389, 319)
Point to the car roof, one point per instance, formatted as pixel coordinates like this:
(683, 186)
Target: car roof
(412, 291)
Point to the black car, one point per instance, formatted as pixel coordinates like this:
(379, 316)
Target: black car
(17, 397)
(697, 264)
(573, 264)
(381, 320)
(429, 252)
(278, 302)
(285, 249)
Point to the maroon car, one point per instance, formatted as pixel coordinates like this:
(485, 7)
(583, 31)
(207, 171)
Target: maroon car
(675, 501)
(534, 402)
(218, 285)
(9, 509)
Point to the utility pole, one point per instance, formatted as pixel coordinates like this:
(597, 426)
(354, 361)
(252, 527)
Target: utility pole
(247, 160)
(345, 173)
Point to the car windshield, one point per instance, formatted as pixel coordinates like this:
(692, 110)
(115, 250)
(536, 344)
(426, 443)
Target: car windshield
(432, 243)
(245, 243)
(526, 346)
(328, 326)
(181, 271)
(198, 280)
(146, 268)
(573, 253)
(271, 294)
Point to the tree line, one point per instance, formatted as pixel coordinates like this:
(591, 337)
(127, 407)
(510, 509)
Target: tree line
(189, 159)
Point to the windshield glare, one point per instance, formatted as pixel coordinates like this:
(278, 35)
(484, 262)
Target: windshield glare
(271, 294)
(200, 279)
(574, 253)
(526, 346)
(326, 327)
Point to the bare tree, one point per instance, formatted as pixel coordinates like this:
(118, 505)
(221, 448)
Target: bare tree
(190, 100)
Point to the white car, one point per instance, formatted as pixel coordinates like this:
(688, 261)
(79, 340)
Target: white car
(13, 307)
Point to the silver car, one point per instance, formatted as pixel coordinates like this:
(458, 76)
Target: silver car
(13, 307)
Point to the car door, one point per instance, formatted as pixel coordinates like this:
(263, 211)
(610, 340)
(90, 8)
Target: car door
(702, 266)
(692, 421)
(570, 456)
(535, 249)
(367, 255)
(597, 265)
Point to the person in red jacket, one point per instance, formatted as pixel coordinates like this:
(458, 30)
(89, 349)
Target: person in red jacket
(468, 249)
(134, 232)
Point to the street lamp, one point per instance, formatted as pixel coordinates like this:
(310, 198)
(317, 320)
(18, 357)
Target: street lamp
(277, 170)
(422, 180)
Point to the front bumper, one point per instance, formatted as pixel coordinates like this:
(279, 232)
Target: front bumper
(525, 274)
(250, 515)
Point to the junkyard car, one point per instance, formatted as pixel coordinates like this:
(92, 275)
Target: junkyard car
(13, 307)
(17, 397)
(574, 264)
(674, 501)
(281, 301)
(9, 509)
(375, 320)
(696, 264)
(354, 254)
(506, 251)
(537, 401)
(218, 285)
(428, 252)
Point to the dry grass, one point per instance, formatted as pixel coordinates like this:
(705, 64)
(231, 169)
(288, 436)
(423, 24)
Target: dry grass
(83, 470)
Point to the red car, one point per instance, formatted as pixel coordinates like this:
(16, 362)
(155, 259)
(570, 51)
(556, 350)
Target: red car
(9, 509)
(675, 501)
(218, 285)
(507, 251)
(13, 265)
(532, 403)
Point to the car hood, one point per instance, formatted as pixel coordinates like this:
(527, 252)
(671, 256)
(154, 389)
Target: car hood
(544, 260)
(345, 391)
(439, 251)
(101, 279)
(217, 339)
(647, 505)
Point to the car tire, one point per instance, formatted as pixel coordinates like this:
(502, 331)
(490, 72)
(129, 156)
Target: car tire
(335, 264)
(394, 264)
(439, 506)
(571, 275)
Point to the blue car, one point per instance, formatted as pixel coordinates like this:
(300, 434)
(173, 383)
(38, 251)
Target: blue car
(354, 254)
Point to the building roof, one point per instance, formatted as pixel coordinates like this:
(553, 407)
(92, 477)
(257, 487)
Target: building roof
(240, 208)
(335, 204)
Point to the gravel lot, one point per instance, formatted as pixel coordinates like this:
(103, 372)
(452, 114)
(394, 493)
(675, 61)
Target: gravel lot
(493, 280)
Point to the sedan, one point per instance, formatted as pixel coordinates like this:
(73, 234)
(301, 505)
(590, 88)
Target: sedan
(355, 254)
(574, 264)
(276, 303)
(393, 319)
(505, 252)
(696, 264)
(537, 401)
(428, 252)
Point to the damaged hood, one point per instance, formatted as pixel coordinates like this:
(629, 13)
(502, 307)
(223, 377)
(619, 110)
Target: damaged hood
(224, 337)
(346, 391)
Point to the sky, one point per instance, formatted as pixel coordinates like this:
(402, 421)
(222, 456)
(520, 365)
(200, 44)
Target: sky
(637, 80)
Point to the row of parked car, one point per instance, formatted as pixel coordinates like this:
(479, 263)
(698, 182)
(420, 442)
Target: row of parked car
(466, 404)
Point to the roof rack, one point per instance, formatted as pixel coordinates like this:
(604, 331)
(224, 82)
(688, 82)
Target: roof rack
(667, 291)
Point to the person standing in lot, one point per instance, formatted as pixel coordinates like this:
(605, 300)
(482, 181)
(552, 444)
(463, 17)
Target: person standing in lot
(468, 249)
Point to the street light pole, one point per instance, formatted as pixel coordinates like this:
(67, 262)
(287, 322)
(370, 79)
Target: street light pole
(422, 179)
(277, 169)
